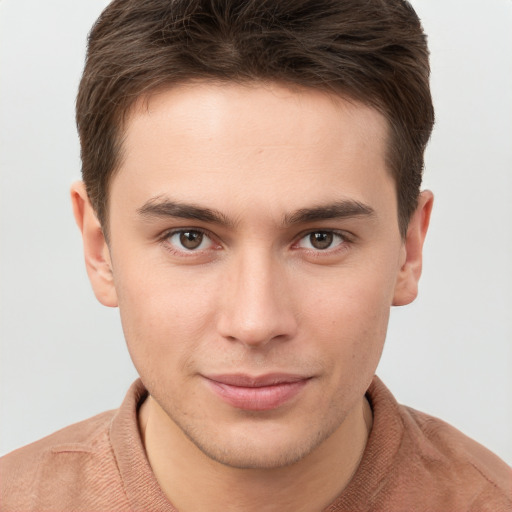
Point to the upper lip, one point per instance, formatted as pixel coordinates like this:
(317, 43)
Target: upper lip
(250, 381)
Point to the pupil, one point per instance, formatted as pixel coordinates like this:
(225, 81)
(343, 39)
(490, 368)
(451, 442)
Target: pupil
(321, 239)
(191, 239)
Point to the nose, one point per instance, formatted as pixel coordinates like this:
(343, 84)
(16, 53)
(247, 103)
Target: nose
(257, 302)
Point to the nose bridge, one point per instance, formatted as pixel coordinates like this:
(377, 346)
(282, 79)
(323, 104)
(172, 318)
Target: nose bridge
(258, 304)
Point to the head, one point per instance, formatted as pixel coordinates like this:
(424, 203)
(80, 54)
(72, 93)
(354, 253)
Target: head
(256, 166)
(374, 52)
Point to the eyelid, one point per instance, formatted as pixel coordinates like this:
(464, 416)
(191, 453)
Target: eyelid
(347, 239)
(164, 240)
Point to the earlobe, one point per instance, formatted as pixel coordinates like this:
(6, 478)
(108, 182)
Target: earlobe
(406, 288)
(96, 251)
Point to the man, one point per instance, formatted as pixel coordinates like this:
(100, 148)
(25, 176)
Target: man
(251, 203)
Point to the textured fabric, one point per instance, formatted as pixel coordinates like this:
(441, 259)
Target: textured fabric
(412, 462)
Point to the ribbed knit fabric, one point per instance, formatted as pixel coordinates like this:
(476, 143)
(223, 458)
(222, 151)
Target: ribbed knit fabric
(412, 462)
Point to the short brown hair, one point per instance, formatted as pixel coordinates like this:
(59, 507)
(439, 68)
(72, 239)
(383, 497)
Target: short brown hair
(373, 51)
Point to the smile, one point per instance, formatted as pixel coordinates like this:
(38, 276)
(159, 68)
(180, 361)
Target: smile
(262, 393)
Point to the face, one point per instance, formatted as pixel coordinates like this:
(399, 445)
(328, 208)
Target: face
(255, 254)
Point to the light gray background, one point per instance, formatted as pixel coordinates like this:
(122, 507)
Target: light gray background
(62, 354)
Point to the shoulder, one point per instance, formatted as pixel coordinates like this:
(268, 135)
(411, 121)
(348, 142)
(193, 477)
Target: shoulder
(455, 462)
(40, 475)
(414, 461)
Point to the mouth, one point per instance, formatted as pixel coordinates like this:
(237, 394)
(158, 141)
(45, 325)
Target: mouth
(257, 393)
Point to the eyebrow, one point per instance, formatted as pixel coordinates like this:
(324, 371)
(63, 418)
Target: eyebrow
(162, 207)
(347, 208)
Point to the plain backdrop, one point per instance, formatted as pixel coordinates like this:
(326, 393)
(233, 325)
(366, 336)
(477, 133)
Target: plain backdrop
(63, 357)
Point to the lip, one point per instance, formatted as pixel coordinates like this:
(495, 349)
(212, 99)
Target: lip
(257, 393)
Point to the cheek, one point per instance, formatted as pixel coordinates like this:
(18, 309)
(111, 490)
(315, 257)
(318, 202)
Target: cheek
(163, 318)
(350, 298)
(355, 332)
(355, 347)
(350, 314)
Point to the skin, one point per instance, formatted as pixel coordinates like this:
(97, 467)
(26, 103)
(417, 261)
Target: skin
(280, 168)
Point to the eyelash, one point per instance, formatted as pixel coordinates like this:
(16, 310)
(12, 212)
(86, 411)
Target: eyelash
(346, 240)
(164, 240)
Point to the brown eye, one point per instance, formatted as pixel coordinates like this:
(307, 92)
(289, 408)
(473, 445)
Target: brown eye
(321, 239)
(188, 240)
(191, 239)
(183, 242)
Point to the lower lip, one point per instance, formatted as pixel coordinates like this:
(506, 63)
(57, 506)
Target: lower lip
(263, 398)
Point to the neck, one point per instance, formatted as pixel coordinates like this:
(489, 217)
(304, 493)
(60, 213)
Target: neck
(192, 481)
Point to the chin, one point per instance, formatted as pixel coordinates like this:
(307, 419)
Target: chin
(266, 449)
(252, 458)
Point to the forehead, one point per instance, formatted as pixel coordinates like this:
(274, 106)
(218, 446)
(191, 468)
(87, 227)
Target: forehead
(268, 143)
(286, 114)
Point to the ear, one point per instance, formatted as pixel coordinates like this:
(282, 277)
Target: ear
(406, 288)
(96, 251)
